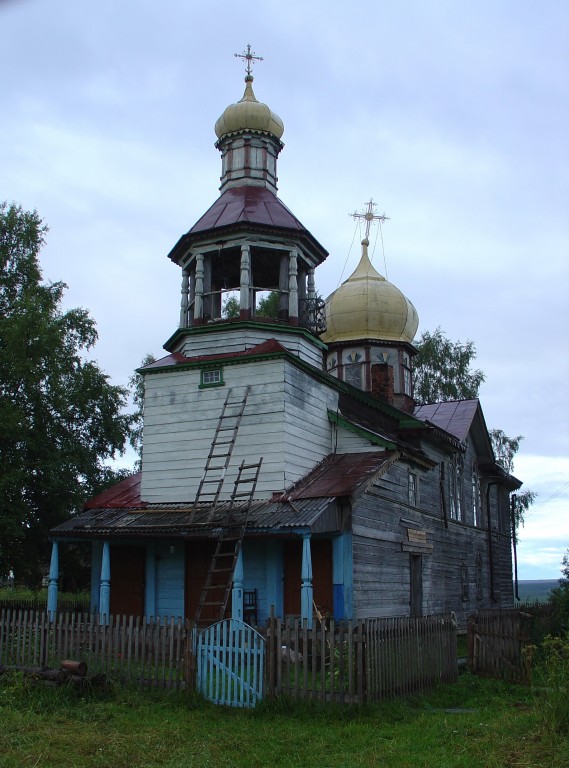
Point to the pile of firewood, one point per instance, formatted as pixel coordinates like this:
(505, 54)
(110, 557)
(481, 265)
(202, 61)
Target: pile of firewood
(70, 672)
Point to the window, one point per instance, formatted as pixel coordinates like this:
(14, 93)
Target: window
(212, 377)
(412, 489)
(476, 516)
(455, 488)
(407, 381)
(464, 582)
(479, 577)
(406, 368)
(353, 375)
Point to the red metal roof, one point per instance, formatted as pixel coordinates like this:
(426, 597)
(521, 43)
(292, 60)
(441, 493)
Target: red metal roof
(248, 204)
(269, 347)
(339, 475)
(123, 495)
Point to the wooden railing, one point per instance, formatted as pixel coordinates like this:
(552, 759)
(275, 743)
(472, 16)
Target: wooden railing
(344, 662)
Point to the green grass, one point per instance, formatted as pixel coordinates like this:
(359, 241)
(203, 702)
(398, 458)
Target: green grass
(15, 594)
(474, 724)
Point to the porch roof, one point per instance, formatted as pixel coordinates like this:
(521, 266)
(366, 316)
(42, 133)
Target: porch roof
(309, 504)
(174, 520)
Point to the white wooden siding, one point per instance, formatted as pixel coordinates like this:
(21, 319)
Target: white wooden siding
(285, 422)
(238, 340)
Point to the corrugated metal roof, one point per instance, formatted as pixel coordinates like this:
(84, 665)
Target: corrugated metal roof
(455, 416)
(339, 475)
(173, 520)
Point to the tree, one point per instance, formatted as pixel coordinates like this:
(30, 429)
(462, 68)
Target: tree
(267, 306)
(560, 596)
(442, 369)
(136, 384)
(60, 418)
(505, 448)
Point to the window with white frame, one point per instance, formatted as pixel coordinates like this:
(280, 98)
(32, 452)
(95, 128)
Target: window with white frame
(211, 377)
(476, 510)
(455, 488)
(412, 489)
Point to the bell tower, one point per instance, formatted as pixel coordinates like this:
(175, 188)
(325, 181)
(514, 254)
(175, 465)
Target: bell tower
(248, 242)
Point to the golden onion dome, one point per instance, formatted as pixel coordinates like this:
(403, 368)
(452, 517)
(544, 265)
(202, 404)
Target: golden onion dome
(367, 306)
(249, 115)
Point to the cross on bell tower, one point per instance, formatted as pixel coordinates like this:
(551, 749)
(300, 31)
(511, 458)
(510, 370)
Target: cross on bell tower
(369, 215)
(250, 57)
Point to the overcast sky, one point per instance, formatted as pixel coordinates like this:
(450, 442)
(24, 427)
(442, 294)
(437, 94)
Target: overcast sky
(453, 116)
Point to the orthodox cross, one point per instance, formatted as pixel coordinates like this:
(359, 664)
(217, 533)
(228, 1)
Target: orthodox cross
(370, 216)
(249, 57)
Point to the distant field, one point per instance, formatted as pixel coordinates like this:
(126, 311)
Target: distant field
(536, 591)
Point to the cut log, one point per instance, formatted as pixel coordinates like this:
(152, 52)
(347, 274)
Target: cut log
(75, 667)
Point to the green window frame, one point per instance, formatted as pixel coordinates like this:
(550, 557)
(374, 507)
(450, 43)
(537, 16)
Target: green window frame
(211, 377)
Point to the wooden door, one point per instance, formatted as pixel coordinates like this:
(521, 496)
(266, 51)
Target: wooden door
(199, 555)
(416, 582)
(127, 580)
(321, 550)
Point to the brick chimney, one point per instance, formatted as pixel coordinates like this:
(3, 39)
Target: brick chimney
(382, 382)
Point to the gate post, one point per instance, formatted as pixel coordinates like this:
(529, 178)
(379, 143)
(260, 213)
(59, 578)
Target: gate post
(237, 591)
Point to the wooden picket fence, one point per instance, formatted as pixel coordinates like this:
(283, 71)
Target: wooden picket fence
(344, 661)
(131, 650)
(501, 642)
(366, 660)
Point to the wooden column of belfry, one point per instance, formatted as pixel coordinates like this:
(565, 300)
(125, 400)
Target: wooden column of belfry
(245, 287)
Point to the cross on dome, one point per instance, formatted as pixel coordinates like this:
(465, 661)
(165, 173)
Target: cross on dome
(250, 57)
(370, 216)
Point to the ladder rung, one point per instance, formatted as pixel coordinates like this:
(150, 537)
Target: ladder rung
(250, 466)
(242, 493)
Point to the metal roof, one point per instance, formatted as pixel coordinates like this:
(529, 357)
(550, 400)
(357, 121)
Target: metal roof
(455, 416)
(173, 520)
(250, 204)
(339, 475)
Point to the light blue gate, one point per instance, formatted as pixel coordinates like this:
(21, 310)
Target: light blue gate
(230, 661)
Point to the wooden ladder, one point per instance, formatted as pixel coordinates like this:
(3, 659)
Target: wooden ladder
(219, 579)
(213, 476)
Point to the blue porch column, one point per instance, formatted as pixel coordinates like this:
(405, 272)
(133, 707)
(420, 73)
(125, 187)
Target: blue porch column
(105, 588)
(53, 581)
(237, 592)
(306, 591)
(343, 580)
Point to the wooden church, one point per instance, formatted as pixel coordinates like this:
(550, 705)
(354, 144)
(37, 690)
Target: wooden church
(285, 463)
